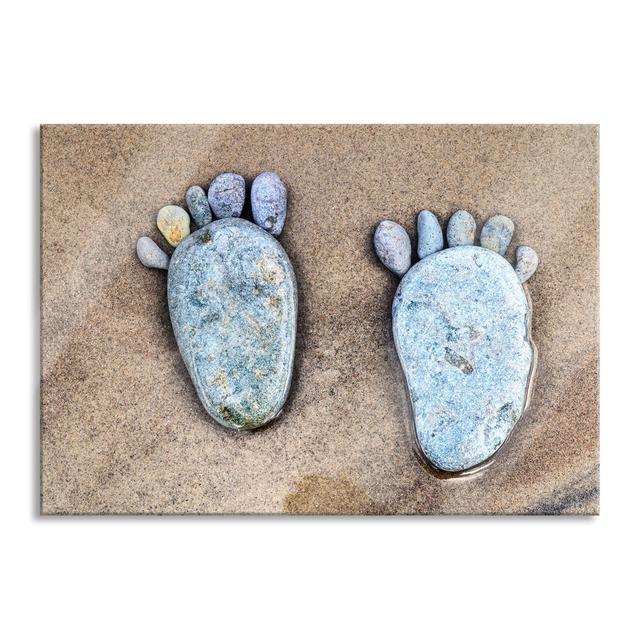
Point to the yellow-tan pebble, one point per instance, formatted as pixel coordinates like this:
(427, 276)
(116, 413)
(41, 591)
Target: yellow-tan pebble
(173, 223)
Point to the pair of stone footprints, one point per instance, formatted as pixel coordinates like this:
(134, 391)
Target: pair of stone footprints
(461, 317)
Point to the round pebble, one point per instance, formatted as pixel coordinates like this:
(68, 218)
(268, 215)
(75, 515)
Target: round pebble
(430, 237)
(151, 255)
(461, 229)
(269, 202)
(198, 206)
(393, 246)
(226, 195)
(526, 263)
(174, 224)
(497, 233)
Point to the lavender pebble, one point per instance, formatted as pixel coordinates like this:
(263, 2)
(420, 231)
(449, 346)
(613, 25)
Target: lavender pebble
(269, 202)
(393, 246)
(226, 195)
(497, 233)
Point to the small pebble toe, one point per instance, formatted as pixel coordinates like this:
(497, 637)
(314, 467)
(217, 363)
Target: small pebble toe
(526, 263)
(430, 237)
(198, 206)
(151, 255)
(461, 229)
(174, 224)
(497, 233)
(226, 195)
(393, 246)
(269, 202)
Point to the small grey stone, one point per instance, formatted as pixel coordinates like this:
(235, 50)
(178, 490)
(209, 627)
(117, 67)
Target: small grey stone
(526, 263)
(497, 233)
(269, 202)
(226, 195)
(430, 237)
(151, 255)
(198, 206)
(233, 304)
(461, 229)
(393, 246)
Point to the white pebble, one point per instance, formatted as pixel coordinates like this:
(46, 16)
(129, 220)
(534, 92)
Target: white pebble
(526, 263)
(151, 255)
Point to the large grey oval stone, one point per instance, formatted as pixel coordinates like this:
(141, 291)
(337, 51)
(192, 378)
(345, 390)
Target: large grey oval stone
(461, 328)
(233, 304)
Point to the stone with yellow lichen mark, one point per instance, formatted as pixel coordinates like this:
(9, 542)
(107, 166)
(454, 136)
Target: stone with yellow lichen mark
(497, 233)
(461, 229)
(221, 381)
(173, 222)
(270, 270)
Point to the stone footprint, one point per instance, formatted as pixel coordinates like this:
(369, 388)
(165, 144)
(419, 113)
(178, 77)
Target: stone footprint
(461, 326)
(232, 297)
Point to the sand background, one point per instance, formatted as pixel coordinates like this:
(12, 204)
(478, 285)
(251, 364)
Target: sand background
(122, 430)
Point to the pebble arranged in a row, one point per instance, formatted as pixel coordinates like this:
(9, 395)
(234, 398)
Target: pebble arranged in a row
(393, 245)
(225, 199)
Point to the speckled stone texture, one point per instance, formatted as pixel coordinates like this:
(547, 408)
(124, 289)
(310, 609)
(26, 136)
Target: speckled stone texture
(430, 236)
(233, 305)
(123, 430)
(269, 202)
(461, 229)
(198, 205)
(460, 324)
(226, 195)
(496, 234)
(393, 246)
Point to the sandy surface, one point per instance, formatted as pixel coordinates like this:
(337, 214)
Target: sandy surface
(122, 428)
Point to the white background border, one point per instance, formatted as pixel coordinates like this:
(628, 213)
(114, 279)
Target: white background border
(332, 62)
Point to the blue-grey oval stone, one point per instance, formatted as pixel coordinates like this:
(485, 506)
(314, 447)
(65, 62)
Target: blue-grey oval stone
(198, 206)
(226, 195)
(430, 237)
(461, 229)
(269, 202)
(496, 234)
(461, 328)
(233, 305)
